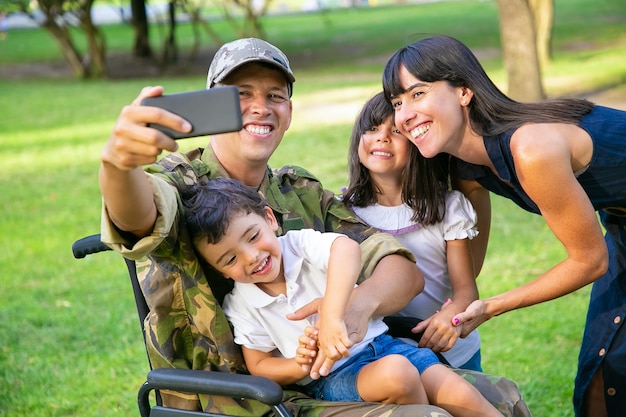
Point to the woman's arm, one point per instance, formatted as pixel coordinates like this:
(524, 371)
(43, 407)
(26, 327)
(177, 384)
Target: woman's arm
(481, 201)
(543, 161)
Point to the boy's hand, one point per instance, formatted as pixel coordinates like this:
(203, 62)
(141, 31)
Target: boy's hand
(333, 339)
(307, 348)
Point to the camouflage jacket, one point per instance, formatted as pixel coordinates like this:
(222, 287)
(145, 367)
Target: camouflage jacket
(186, 327)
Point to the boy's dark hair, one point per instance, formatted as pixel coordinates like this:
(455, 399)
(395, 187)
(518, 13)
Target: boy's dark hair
(424, 183)
(210, 207)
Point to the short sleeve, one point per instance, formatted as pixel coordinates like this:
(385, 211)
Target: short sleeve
(460, 219)
(310, 244)
(247, 329)
(375, 248)
(167, 209)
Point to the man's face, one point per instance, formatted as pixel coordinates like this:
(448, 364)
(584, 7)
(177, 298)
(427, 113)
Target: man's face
(266, 113)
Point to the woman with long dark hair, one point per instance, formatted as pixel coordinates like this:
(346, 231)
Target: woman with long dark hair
(564, 159)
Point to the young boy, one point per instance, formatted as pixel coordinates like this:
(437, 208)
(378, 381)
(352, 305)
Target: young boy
(233, 229)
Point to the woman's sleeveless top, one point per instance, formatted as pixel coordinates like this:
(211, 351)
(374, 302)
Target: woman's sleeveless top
(604, 179)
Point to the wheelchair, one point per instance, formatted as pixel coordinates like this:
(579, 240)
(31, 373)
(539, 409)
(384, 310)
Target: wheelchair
(504, 395)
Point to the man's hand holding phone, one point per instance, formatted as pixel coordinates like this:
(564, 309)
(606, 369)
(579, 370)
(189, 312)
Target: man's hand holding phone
(132, 144)
(142, 132)
(212, 111)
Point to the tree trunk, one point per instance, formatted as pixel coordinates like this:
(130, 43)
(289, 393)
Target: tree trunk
(92, 63)
(196, 21)
(252, 20)
(170, 50)
(141, 48)
(520, 50)
(96, 44)
(543, 18)
(62, 37)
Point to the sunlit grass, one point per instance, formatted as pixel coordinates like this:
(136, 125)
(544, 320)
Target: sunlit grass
(69, 338)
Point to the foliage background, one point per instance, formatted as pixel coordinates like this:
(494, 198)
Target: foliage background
(70, 343)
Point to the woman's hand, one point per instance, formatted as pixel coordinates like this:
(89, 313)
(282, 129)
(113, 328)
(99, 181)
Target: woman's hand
(474, 315)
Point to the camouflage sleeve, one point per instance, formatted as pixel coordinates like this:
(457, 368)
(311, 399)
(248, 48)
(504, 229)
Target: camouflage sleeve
(303, 406)
(499, 391)
(167, 208)
(376, 247)
(303, 202)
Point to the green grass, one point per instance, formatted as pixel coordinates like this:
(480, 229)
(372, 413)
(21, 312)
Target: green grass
(69, 339)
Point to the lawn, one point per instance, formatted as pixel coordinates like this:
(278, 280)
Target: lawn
(70, 343)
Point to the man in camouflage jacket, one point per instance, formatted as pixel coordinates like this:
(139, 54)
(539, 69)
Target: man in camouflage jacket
(142, 219)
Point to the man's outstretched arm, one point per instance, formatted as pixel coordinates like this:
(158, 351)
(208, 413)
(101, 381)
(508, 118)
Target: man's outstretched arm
(125, 189)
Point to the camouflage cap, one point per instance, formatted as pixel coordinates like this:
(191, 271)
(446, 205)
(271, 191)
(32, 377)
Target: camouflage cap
(234, 54)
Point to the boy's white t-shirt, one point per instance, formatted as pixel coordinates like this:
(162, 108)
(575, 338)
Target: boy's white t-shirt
(259, 319)
(428, 244)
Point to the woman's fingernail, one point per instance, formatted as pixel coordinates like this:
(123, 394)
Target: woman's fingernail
(456, 321)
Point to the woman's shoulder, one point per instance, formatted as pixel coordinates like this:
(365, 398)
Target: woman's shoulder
(543, 141)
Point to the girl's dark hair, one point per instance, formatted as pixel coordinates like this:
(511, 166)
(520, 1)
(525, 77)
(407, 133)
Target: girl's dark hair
(491, 112)
(210, 207)
(424, 182)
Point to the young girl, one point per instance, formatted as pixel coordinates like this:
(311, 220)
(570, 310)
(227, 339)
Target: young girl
(433, 222)
(564, 159)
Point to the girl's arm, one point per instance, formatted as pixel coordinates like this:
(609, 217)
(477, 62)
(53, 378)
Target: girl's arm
(481, 201)
(283, 371)
(439, 332)
(543, 161)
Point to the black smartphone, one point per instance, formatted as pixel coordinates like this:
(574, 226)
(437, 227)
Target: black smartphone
(211, 111)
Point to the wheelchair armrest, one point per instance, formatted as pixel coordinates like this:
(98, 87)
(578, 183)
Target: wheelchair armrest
(216, 383)
(213, 383)
(87, 246)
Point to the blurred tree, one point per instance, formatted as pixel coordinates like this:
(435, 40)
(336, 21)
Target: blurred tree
(543, 20)
(141, 45)
(252, 12)
(193, 10)
(61, 19)
(519, 43)
(170, 48)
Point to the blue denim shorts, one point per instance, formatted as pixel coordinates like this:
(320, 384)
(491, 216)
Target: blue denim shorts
(340, 385)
